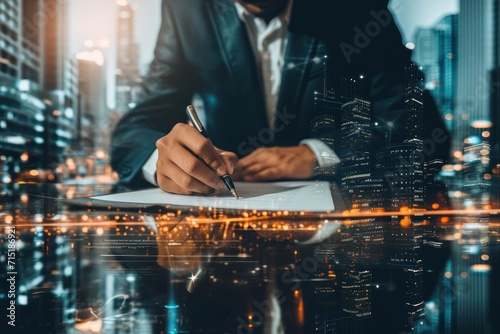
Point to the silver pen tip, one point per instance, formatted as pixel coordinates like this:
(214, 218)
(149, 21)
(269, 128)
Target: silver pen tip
(235, 194)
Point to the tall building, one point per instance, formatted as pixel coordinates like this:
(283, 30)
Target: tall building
(37, 83)
(476, 31)
(402, 164)
(436, 52)
(495, 112)
(359, 187)
(93, 118)
(22, 115)
(127, 71)
(10, 39)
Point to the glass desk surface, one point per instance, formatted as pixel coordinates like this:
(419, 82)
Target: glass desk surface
(68, 268)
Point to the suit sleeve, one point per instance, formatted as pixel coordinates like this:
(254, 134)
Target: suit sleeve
(168, 90)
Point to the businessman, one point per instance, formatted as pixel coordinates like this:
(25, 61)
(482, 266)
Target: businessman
(255, 65)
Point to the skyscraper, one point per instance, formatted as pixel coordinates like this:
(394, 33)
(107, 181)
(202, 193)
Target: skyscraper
(45, 37)
(436, 52)
(495, 112)
(38, 82)
(476, 27)
(94, 113)
(402, 164)
(127, 73)
(19, 130)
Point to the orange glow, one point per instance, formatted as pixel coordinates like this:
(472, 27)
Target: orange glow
(482, 124)
(448, 274)
(405, 222)
(404, 209)
(481, 267)
(435, 206)
(445, 220)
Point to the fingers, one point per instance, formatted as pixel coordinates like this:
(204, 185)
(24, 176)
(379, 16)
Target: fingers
(258, 161)
(259, 155)
(167, 184)
(274, 163)
(189, 163)
(202, 147)
(263, 175)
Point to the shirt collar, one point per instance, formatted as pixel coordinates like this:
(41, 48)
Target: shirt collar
(244, 14)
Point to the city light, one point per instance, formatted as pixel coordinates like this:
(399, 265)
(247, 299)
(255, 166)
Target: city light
(482, 124)
(95, 56)
(410, 46)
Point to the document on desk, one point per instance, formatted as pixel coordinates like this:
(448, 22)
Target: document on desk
(311, 196)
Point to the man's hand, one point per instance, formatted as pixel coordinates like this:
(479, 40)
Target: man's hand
(189, 163)
(274, 163)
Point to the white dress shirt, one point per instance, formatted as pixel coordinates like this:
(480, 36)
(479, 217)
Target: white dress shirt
(268, 41)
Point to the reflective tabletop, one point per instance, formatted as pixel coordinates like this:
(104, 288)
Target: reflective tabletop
(72, 267)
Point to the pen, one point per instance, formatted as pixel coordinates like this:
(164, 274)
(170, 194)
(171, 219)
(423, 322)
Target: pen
(193, 117)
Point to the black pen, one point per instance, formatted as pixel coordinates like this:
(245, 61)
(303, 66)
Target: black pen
(193, 117)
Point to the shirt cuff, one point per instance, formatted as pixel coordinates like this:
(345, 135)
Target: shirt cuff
(325, 156)
(149, 168)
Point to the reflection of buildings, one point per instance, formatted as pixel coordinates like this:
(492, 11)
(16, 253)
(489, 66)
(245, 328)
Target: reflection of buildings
(476, 185)
(435, 51)
(470, 276)
(37, 83)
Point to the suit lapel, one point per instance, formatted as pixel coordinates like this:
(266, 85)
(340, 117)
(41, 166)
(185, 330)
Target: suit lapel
(238, 55)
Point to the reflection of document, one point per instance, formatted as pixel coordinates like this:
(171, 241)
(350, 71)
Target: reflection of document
(310, 196)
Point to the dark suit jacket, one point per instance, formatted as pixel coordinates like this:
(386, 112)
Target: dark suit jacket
(203, 48)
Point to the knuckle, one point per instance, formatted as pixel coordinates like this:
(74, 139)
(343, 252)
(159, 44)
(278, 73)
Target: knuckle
(178, 127)
(203, 144)
(191, 166)
(186, 182)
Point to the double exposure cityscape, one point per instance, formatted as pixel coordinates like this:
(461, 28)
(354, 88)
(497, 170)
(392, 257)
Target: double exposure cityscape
(413, 245)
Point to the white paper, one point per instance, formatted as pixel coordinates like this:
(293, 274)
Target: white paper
(310, 196)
